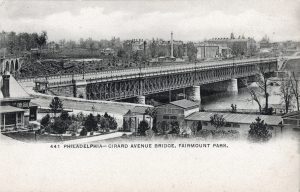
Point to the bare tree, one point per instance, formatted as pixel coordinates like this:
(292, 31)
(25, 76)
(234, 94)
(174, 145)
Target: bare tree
(254, 96)
(262, 80)
(286, 93)
(263, 84)
(295, 88)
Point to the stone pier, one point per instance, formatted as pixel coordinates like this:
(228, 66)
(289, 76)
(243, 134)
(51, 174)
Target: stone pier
(141, 99)
(233, 86)
(79, 89)
(194, 94)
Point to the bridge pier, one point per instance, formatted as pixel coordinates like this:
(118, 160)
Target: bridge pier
(79, 89)
(194, 94)
(233, 86)
(141, 99)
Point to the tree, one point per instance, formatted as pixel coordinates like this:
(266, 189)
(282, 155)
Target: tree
(262, 79)
(295, 89)
(56, 105)
(152, 112)
(263, 84)
(45, 120)
(175, 129)
(60, 126)
(41, 40)
(143, 127)
(286, 93)
(259, 131)
(90, 123)
(217, 120)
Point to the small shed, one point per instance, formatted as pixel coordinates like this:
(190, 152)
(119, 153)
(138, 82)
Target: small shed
(41, 85)
(133, 118)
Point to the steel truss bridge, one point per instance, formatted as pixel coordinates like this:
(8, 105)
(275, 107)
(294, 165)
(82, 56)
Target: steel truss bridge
(128, 83)
(157, 80)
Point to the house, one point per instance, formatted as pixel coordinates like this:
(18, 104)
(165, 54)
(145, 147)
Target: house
(235, 121)
(16, 110)
(133, 118)
(175, 111)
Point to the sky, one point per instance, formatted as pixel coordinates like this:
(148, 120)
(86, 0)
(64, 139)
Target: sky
(190, 20)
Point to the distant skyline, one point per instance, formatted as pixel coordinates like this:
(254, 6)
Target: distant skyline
(193, 20)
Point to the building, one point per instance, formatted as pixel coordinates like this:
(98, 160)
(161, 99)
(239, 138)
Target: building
(238, 46)
(175, 111)
(235, 121)
(16, 110)
(133, 118)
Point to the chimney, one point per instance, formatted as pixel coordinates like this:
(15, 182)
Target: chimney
(172, 45)
(5, 86)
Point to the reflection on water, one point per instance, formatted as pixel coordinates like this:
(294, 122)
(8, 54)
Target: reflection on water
(243, 99)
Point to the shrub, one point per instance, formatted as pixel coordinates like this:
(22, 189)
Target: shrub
(174, 127)
(83, 132)
(217, 121)
(204, 133)
(59, 126)
(45, 120)
(90, 123)
(143, 127)
(259, 131)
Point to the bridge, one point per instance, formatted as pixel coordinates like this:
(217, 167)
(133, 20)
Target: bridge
(10, 63)
(140, 82)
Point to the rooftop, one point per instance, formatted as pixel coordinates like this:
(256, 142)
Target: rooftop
(10, 109)
(184, 103)
(291, 114)
(235, 117)
(15, 89)
(138, 110)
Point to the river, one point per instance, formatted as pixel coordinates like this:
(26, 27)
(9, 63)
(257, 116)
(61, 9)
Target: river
(223, 101)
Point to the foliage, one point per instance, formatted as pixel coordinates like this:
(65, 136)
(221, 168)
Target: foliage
(143, 127)
(175, 129)
(259, 131)
(90, 123)
(164, 127)
(65, 115)
(107, 122)
(217, 121)
(83, 132)
(204, 133)
(233, 108)
(75, 126)
(60, 126)
(218, 134)
(56, 105)
(45, 120)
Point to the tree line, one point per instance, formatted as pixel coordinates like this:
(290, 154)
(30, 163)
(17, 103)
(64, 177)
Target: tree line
(19, 42)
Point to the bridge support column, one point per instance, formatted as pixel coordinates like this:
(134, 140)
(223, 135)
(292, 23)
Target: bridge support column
(141, 99)
(233, 86)
(194, 94)
(79, 89)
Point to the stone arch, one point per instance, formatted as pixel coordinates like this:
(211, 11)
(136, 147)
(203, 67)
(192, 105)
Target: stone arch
(6, 66)
(16, 65)
(12, 66)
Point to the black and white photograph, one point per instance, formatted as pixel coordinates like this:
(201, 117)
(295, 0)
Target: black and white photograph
(139, 96)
